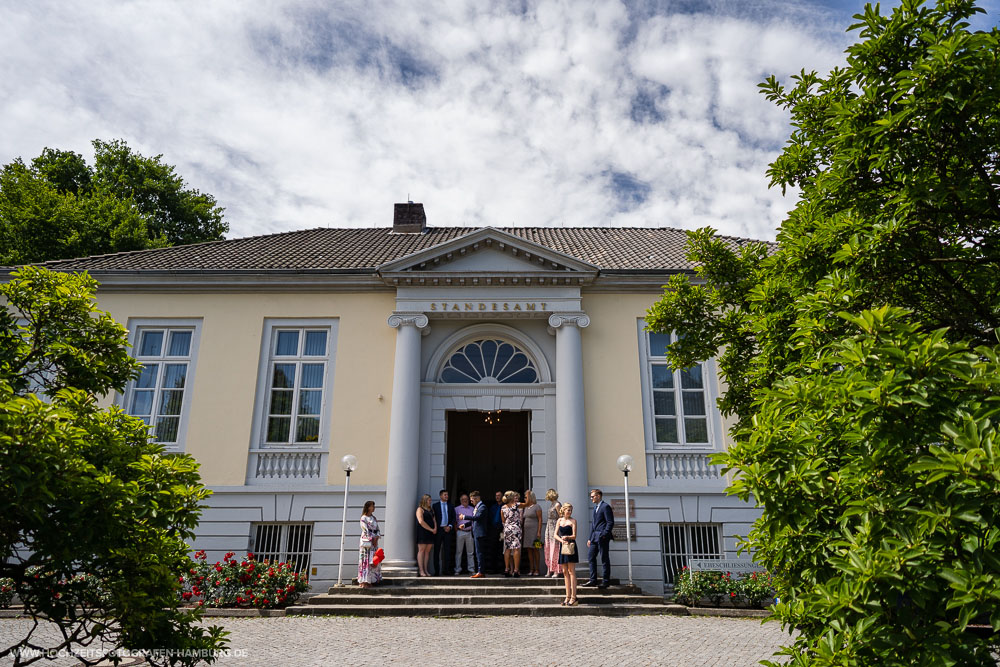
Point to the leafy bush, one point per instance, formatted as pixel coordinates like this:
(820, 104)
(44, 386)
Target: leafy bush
(754, 589)
(243, 583)
(688, 587)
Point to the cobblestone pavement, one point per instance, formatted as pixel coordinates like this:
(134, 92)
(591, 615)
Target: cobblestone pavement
(685, 641)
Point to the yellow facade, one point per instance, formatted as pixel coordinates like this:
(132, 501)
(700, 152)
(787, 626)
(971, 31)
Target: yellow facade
(612, 385)
(227, 372)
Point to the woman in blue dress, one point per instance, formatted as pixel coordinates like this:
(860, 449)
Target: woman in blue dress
(566, 536)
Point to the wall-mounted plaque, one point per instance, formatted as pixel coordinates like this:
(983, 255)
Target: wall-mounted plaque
(619, 531)
(618, 507)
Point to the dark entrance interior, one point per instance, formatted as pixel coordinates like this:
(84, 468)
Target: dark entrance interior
(487, 451)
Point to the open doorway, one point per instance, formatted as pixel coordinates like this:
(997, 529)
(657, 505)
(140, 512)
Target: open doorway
(487, 451)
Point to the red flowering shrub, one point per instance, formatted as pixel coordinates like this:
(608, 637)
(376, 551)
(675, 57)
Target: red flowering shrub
(6, 591)
(246, 582)
(694, 588)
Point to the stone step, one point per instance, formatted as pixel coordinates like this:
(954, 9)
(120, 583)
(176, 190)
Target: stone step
(550, 609)
(400, 585)
(496, 579)
(480, 590)
(478, 600)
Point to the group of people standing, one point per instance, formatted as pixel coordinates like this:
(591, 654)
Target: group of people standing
(498, 535)
(495, 535)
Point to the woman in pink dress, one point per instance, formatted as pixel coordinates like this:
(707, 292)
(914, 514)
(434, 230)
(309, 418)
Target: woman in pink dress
(551, 544)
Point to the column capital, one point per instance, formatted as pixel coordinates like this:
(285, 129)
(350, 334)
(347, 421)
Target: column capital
(580, 319)
(398, 319)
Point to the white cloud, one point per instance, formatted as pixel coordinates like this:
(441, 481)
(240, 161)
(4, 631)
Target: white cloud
(307, 114)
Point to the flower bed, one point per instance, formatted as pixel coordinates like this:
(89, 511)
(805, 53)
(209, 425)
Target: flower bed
(246, 582)
(6, 592)
(715, 588)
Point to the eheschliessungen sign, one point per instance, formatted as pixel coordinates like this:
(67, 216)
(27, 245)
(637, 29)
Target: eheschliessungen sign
(720, 565)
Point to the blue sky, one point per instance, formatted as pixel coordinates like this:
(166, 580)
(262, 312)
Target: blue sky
(529, 113)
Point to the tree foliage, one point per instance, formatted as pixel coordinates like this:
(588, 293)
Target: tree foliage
(93, 515)
(861, 351)
(58, 206)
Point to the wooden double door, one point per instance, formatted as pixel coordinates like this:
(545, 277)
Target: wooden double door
(488, 451)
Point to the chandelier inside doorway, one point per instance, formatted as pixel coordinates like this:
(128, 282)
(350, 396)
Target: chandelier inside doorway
(492, 417)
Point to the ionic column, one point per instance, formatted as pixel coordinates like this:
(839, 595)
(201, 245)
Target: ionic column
(571, 430)
(404, 442)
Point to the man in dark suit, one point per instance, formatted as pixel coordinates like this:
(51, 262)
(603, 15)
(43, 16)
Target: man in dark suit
(480, 519)
(444, 539)
(600, 539)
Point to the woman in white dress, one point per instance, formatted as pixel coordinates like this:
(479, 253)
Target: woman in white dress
(370, 534)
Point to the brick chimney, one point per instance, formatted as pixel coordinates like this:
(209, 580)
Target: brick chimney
(409, 218)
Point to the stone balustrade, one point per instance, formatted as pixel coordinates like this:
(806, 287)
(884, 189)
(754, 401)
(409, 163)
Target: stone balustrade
(288, 465)
(678, 466)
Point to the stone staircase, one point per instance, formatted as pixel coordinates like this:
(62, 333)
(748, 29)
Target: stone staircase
(405, 595)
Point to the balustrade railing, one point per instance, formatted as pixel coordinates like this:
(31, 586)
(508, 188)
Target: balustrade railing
(288, 465)
(684, 466)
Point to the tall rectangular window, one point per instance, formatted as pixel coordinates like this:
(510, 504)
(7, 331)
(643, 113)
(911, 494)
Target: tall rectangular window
(160, 396)
(678, 401)
(684, 541)
(296, 383)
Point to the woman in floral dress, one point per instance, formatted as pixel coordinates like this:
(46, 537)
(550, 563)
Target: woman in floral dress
(368, 575)
(511, 517)
(551, 545)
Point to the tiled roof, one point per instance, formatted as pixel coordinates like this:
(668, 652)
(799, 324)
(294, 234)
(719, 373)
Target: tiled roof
(362, 250)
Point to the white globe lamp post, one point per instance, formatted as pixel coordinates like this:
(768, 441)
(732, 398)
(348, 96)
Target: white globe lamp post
(349, 464)
(625, 465)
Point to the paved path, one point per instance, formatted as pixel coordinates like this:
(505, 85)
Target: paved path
(684, 641)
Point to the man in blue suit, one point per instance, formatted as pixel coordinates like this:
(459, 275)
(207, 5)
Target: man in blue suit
(444, 539)
(600, 539)
(480, 518)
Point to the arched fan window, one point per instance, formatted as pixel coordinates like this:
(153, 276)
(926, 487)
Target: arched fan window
(489, 361)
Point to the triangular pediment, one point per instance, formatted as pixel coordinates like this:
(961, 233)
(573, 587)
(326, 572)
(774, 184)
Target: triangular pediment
(488, 254)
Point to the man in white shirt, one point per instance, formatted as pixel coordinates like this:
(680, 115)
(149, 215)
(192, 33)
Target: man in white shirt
(463, 536)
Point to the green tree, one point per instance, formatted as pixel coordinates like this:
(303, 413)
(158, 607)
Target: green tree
(58, 206)
(93, 515)
(860, 352)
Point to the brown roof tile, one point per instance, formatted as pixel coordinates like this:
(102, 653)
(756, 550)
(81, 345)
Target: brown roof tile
(362, 250)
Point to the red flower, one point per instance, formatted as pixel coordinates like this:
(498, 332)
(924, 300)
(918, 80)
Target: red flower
(180, 580)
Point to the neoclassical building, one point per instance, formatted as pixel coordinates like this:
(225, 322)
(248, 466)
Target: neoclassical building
(440, 357)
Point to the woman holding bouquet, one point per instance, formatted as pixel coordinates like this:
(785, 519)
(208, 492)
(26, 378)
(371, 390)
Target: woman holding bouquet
(551, 545)
(369, 574)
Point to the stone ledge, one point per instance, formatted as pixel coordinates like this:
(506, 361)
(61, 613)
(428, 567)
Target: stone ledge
(728, 612)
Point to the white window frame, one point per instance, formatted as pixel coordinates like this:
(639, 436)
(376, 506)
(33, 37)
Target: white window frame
(713, 422)
(136, 327)
(265, 377)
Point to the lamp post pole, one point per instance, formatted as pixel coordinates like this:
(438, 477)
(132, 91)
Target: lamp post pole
(349, 464)
(625, 465)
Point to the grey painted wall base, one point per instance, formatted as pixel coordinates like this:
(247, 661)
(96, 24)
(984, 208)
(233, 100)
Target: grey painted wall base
(230, 512)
